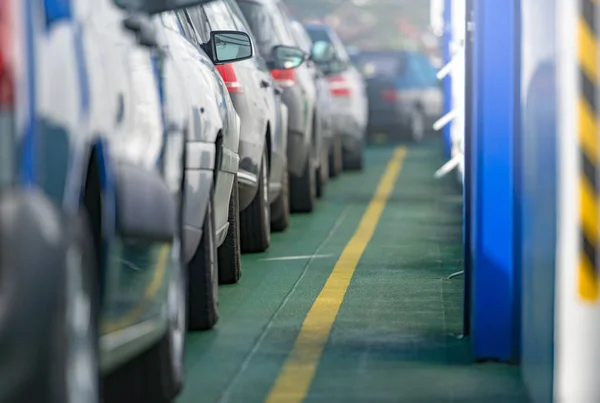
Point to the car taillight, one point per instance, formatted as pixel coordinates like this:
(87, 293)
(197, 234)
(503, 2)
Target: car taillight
(228, 74)
(7, 56)
(339, 86)
(284, 78)
(388, 95)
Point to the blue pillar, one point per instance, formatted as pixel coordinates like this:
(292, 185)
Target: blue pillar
(447, 82)
(495, 95)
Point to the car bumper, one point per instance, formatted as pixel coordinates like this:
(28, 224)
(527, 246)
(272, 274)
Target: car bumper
(32, 251)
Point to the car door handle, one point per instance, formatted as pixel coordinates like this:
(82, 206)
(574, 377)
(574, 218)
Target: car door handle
(264, 84)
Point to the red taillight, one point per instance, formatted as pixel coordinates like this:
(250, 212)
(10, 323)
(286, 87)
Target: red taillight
(388, 95)
(284, 78)
(339, 86)
(228, 74)
(7, 56)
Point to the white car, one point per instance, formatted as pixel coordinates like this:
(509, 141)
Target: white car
(212, 126)
(90, 209)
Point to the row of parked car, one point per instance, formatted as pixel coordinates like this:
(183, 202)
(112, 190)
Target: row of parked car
(144, 145)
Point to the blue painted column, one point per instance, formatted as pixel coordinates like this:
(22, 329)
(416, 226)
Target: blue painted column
(495, 92)
(447, 82)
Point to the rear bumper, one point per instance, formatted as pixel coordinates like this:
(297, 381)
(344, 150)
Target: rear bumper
(32, 254)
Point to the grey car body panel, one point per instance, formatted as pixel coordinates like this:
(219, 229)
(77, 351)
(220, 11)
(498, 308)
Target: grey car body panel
(206, 112)
(301, 99)
(254, 101)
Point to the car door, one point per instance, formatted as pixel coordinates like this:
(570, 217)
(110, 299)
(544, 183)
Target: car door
(219, 19)
(126, 118)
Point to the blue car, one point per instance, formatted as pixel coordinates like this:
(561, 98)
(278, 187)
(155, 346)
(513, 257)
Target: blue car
(404, 95)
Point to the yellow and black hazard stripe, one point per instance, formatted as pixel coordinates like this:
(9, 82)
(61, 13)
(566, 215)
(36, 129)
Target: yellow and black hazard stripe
(589, 149)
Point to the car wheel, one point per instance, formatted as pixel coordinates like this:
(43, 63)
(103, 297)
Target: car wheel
(74, 345)
(280, 209)
(255, 220)
(322, 175)
(417, 125)
(203, 283)
(353, 161)
(336, 157)
(304, 189)
(230, 265)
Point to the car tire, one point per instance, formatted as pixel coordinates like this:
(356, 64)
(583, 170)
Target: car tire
(230, 264)
(280, 209)
(322, 175)
(255, 220)
(156, 375)
(203, 280)
(304, 189)
(354, 161)
(336, 158)
(417, 126)
(74, 354)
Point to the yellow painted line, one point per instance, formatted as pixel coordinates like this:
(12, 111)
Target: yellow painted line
(149, 294)
(588, 131)
(587, 50)
(589, 213)
(297, 374)
(588, 285)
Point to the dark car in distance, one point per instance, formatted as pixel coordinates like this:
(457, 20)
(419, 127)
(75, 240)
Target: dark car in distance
(404, 94)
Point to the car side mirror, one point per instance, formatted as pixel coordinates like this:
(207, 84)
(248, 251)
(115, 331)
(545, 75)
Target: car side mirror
(287, 57)
(229, 47)
(322, 52)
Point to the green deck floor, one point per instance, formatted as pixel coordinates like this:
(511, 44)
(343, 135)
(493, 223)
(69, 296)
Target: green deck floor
(395, 337)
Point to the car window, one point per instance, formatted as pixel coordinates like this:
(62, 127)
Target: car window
(200, 23)
(318, 34)
(261, 24)
(218, 16)
(184, 27)
(378, 65)
(302, 40)
(242, 25)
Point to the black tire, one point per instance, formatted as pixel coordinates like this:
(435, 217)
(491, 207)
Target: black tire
(255, 220)
(353, 161)
(203, 269)
(303, 190)
(230, 264)
(417, 125)
(280, 209)
(322, 175)
(79, 276)
(336, 164)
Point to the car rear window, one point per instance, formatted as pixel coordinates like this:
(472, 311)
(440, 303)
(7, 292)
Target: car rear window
(378, 64)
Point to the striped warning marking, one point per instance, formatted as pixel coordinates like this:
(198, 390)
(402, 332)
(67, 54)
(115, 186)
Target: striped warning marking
(589, 148)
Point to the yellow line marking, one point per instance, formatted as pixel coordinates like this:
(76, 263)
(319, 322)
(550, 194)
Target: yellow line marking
(588, 50)
(589, 213)
(588, 129)
(588, 285)
(149, 294)
(297, 374)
